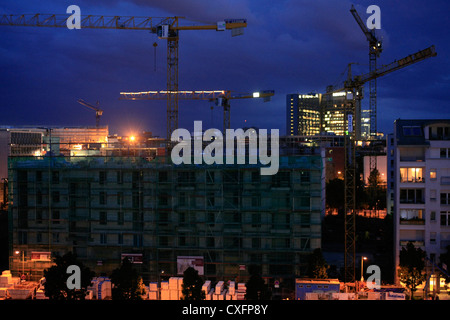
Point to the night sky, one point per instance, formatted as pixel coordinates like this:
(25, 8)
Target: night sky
(290, 46)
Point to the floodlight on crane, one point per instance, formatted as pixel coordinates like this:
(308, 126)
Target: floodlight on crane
(220, 97)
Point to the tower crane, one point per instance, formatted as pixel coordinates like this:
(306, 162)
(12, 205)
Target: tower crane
(98, 111)
(375, 48)
(165, 28)
(352, 88)
(220, 97)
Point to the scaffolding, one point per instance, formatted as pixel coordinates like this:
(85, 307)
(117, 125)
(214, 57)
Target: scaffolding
(105, 208)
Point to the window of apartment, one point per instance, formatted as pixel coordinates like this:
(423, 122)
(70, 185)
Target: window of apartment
(445, 180)
(281, 179)
(55, 217)
(412, 130)
(445, 198)
(411, 175)
(120, 177)
(181, 217)
(120, 218)
(39, 197)
(102, 197)
(210, 199)
(442, 132)
(210, 242)
(55, 177)
(432, 237)
(103, 238)
(120, 198)
(101, 177)
(119, 238)
(163, 176)
(182, 241)
(182, 199)
(433, 174)
(256, 220)
(445, 221)
(38, 176)
(411, 214)
(55, 237)
(23, 237)
(433, 194)
(137, 240)
(433, 216)
(38, 215)
(210, 176)
(39, 237)
(411, 196)
(163, 241)
(304, 176)
(210, 217)
(55, 196)
(256, 200)
(103, 217)
(23, 218)
(256, 177)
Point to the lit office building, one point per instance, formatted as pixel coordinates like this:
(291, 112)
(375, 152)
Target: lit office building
(303, 114)
(311, 114)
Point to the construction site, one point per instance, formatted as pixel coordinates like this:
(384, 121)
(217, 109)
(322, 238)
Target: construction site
(109, 197)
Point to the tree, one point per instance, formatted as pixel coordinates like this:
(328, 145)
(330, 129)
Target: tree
(256, 289)
(56, 286)
(192, 285)
(412, 265)
(376, 193)
(335, 194)
(127, 284)
(445, 262)
(317, 266)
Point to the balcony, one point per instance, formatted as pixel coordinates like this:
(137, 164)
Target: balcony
(413, 221)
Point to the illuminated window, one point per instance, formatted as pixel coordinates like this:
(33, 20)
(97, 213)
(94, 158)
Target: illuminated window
(433, 174)
(411, 175)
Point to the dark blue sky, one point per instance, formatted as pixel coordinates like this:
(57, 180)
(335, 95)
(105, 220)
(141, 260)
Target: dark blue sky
(289, 46)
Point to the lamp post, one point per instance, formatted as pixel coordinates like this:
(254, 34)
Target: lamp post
(23, 260)
(362, 267)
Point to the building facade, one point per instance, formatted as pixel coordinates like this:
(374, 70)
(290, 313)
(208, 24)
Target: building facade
(316, 113)
(303, 114)
(419, 185)
(225, 217)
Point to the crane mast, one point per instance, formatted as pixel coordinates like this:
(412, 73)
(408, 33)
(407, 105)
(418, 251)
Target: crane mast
(98, 111)
(353, 89)
(375, 48)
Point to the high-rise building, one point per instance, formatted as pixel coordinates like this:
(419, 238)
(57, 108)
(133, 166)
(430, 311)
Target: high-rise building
(303, 114)
(225, 217)
(419, 185)
(314, 113)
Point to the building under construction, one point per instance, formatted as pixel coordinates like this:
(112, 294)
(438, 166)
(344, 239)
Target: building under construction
(160, 215)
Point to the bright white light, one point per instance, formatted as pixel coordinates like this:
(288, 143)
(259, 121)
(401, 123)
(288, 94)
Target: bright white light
(255, 94)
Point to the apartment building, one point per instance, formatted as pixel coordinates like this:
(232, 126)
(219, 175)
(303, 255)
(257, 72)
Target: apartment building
(224, 217)
(419, 185)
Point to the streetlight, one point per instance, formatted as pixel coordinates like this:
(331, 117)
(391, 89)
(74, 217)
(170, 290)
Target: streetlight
(23, 260)
(362, 267)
